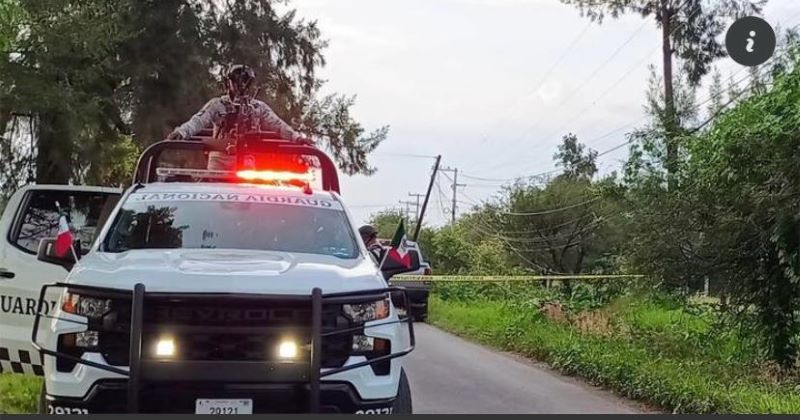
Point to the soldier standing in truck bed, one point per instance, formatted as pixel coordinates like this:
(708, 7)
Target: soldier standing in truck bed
(221, 112)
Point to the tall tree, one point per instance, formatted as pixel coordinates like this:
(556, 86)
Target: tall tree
(90, 82)
(167, 64)
(742, 200)
(10, 19)
(563, 224)
(648, 149)
(716, 93)
(59, 77)
(689, 31)
(576, 161)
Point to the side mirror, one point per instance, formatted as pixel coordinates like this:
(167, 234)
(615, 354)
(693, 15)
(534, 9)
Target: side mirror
(393, 267)
(47, 253)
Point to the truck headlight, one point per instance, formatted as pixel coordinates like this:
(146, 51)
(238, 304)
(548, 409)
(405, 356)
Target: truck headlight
(165, 347)
(287, 349)
(87, 306)
(98, 310)
(365, 312)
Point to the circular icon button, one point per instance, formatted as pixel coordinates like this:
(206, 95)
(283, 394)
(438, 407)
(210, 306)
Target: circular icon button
(750, 41)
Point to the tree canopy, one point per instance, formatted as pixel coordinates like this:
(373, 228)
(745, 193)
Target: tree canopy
(84, 85)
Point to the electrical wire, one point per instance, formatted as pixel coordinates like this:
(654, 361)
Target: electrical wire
(440, 193)
(362, 206)
(538, 85)
(714, 115)
(585, 81)
(406, 155)
(606, 135)
(595, 72)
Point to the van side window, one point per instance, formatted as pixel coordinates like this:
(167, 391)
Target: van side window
(39, 218)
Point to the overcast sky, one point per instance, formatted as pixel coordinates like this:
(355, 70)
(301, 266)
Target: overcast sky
(491, 85)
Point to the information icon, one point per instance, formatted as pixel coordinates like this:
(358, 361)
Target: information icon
(750, 41)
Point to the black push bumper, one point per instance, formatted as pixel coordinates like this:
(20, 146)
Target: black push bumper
(169, 385)
(110, 396)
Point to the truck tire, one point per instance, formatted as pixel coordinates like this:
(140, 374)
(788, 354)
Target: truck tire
(402, 404)
(420, 312)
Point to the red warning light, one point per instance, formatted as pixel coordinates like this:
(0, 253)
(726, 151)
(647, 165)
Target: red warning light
(273, 176)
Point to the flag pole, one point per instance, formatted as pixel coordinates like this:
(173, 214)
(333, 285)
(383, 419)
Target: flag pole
(385, 254)
(72, 242)
(400, 228)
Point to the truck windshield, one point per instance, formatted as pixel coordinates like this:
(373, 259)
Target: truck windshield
(231, 221)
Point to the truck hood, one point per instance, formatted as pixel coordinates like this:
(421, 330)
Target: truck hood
(225, 271)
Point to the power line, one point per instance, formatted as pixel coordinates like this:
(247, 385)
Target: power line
(454, 186)
(600, 153)
(538, 85)
(440, 194)
(709, 99)
(551, 211)
(547, 239)
(369, 205)
(406, 155)
(618, 81)
(519, 251)
(694, 130)
(552, 227)
(417, 205)
(582, 84)
(596, 71)
(504, 181)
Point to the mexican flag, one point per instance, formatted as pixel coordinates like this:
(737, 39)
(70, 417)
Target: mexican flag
(398, 251)
(64, 237)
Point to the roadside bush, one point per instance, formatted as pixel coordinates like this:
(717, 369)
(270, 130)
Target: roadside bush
(730, 216)
(697, 382)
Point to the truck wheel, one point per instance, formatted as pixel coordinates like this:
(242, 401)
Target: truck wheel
(420, 313)
(402, 404)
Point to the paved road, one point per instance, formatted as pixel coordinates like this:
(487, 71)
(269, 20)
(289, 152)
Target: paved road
(451, 375)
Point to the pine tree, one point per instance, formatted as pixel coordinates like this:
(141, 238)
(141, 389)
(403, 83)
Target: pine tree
(689, 31)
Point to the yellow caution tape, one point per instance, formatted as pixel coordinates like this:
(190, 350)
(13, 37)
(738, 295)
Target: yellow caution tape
(511, 278)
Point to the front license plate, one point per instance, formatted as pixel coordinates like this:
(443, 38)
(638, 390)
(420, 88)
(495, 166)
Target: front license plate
(216, 406)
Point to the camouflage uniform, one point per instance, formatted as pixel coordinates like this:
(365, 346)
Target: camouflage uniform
(376, 249)
(215, 111)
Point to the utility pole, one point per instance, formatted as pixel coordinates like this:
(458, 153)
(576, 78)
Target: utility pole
(416, 206)
(407, 211)
(427, 196)
(455, 192)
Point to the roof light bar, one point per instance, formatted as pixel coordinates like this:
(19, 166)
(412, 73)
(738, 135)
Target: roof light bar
(274, 176)
(198, 173)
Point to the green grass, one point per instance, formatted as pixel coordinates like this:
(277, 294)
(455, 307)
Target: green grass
(663, 356)
(18, 393)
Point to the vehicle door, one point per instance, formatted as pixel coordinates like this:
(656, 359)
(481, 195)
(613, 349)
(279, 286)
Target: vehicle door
(31, 215)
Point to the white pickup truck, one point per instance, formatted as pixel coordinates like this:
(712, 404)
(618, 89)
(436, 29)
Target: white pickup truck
(204, 292)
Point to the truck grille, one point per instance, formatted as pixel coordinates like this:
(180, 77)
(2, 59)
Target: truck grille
(226, 329)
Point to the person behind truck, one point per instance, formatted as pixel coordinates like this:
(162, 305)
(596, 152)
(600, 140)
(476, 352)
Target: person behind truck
(370, 237)
(221, 112)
